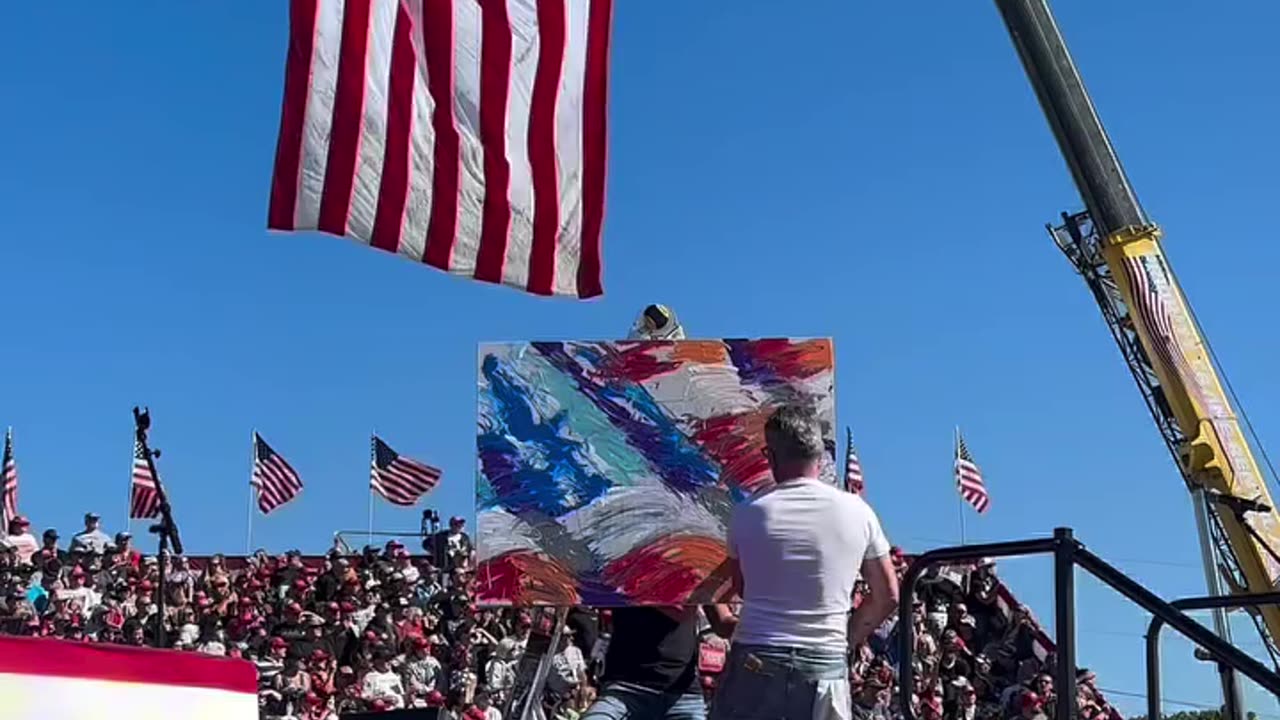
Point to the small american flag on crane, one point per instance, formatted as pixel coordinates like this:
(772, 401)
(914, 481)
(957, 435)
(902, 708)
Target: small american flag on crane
(398, 479)
(275, 480)
(853, 481)
(144, 497)
(969, 478)
(9, 471)
(466, 135)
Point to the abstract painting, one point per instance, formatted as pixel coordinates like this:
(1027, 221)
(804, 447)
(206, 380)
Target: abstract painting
(607, 470)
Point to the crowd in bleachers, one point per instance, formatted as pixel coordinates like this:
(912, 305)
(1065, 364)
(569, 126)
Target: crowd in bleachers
(386, 628)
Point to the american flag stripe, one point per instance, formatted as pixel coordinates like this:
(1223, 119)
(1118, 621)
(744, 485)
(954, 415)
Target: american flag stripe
(398, 479)
(853, 481)
(969, 479)
(1155, 315)
(9, 503)
(466, 135)
(275, 480)
(144, 496)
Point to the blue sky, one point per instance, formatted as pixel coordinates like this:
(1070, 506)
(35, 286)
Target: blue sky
(879, 173)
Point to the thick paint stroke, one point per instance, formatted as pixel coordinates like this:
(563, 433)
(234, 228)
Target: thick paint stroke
(774, 362)
(630, 408)
(668, 571)
(530, 462)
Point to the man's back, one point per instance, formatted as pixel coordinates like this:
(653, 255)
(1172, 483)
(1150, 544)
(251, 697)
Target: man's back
(800, 546)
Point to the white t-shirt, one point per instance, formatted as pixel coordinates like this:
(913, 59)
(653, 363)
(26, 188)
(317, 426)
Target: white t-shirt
(801, 545)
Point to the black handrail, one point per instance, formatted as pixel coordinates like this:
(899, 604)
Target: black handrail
(1068, 554)
(1213, 602)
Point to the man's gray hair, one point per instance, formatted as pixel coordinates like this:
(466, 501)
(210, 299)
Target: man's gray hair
(794, 434)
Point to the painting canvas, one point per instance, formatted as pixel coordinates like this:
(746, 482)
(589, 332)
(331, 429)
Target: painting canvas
(607, 471)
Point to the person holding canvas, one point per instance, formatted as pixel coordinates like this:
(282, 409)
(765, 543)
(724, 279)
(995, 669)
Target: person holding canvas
(795, 553)
(651, 665)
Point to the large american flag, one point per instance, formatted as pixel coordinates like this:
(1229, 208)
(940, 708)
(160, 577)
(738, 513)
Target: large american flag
(465, 134)
(9, 472)
(853, 481)
(398, 479)
(144, 497)
(275, 480)
(969, 478)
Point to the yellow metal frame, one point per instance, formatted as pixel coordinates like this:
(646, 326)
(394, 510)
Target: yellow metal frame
(1217, 456)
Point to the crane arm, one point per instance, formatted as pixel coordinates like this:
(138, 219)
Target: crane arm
(1117, 250)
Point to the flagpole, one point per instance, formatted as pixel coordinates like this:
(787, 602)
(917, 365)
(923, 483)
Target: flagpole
(128, 498)
(959, 498)
(369, 539)
(253, 457)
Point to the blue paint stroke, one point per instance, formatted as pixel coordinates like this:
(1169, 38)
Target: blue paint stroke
(559, 482)
(678, 461)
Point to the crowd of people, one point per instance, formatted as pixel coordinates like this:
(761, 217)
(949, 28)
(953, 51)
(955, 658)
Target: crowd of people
(386, 629)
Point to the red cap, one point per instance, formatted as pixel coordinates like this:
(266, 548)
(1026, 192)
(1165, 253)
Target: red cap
(145, 586)
(279, 642)
(1030, 700)
(435, 699)
(20, 520)
(293, 608)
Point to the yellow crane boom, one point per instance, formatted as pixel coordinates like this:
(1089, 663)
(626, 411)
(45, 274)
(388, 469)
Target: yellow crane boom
(1116, 248)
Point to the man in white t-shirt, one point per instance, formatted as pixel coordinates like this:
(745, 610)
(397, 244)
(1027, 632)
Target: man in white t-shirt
(795, 551)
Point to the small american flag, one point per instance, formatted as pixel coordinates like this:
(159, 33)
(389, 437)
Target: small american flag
(969, 478)
(465, 135)
(9, 507)
(852, 468)
(398, 479)
(144, 497)
(275, 480)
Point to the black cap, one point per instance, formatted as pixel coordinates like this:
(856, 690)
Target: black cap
(51, 533)
(91, 516)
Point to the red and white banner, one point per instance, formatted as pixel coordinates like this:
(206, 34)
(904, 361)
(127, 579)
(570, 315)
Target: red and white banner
(61, 680)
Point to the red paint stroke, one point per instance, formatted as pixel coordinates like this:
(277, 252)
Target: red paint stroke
(525, 578)
(736, 442)
(639, 362)
(667, 572)
(792, 359)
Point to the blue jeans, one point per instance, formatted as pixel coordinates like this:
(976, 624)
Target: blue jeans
(773, 683)
(626, 701)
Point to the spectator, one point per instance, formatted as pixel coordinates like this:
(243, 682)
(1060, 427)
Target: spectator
(21, 539)
(568, 667)
(381, 683)
(49, 550)
(796, 551)
(91, 540)
(341, 613)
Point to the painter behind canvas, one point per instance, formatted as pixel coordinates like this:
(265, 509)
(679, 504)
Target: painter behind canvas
(606, 471)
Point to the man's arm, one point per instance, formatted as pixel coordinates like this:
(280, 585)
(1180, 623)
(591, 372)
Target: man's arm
(883, 600)
(723, 621)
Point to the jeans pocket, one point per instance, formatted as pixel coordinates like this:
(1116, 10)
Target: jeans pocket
(748, 692)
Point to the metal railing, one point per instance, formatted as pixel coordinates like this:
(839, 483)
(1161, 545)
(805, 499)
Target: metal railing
(1068, 554)
(1233, 708)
